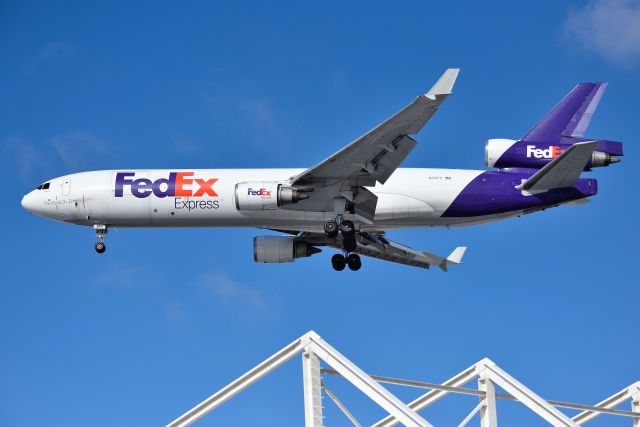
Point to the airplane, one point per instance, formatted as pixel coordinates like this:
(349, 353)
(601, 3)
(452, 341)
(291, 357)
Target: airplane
(349, 200)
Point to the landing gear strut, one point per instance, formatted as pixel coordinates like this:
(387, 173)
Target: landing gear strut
(101, 232)
(348, 230)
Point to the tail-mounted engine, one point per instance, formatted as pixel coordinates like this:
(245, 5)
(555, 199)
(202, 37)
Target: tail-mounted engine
(276, 249)
(508, 153)
(263, 195)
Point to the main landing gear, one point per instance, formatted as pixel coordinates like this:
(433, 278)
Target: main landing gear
(348, 230)
(101, 232)
(339, 262)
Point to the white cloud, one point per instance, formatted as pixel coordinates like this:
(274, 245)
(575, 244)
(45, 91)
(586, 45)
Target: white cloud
(51, 53)
(176, 314)
(265, 124)
(252, 118)
(223, 288)
(119, 276)
(79, 149)
(71, 152)
(27, 156)
(610, 28)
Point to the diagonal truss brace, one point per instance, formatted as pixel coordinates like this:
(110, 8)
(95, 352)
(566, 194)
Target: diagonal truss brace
(308, 343)
(432, 396)
(487, 370)
(631, 393)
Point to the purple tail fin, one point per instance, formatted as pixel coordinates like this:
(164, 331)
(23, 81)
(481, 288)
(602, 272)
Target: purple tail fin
(571, 117)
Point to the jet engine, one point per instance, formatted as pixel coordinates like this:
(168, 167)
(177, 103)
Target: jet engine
(263, 195)
(276, 249)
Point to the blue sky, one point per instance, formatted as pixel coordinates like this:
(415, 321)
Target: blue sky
(166, 317)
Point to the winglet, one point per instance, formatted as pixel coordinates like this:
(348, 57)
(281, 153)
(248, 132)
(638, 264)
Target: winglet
(455, 257)
(444, 85)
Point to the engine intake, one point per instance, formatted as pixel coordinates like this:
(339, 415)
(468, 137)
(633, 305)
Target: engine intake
(264, 195)
(277, 249)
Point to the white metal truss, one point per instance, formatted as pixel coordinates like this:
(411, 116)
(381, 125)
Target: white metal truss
(312, 389)
(309, 343)
(489, 376)
(631, 393)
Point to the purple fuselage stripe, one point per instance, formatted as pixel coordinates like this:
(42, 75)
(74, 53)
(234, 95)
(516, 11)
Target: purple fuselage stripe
(494, 192)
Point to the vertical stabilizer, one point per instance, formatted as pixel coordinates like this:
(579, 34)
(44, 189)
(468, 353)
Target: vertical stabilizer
(571, 117)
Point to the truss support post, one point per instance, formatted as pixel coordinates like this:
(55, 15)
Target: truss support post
(312, 389)
(635, 407)
(488, 412)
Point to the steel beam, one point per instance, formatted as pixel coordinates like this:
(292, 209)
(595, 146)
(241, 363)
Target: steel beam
(341, 406)
(610, 403)
(432, 396)
(365, 383)
(488, 369)
(312, 390)
(240, 384)
(635, 407)
(488, 411)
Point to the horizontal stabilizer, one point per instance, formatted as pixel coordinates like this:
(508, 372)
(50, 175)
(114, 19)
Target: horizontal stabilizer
(577, 202)
(563, 171)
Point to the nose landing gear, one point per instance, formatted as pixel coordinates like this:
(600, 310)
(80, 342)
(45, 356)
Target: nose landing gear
(101, 232)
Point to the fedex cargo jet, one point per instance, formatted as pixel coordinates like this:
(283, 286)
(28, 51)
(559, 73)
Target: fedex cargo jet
(349, 200)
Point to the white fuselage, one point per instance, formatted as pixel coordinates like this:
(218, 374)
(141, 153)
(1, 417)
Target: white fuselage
(410, 197)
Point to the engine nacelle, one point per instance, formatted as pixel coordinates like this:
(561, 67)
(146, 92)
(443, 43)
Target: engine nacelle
(494, 149)
(264, 195)
(276, 249)
(508, 153)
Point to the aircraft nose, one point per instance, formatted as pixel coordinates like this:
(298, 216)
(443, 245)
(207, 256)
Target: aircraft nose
(28, 202)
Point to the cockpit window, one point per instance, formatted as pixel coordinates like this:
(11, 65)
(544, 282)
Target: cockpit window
(44, 186)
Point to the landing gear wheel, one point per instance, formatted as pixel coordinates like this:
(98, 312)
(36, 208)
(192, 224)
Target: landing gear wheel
(338, 262)
(331, 228)
(354, 263)
(347, 228)
(349, 244)
(100, 247)
(101, 232)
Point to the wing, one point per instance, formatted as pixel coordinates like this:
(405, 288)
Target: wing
(375, 245)
(372, 157)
